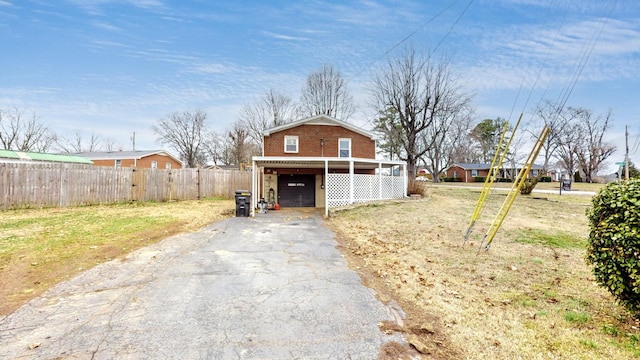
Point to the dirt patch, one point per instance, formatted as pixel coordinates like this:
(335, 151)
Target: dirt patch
(422, 330)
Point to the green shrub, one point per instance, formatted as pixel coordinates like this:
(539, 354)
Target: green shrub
(528, 186)
(452, 179)
(614, 241)
(504, 180)
(479, 179)
(545, 179)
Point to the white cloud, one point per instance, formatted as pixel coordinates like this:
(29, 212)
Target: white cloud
(284, 37)
(106, 26)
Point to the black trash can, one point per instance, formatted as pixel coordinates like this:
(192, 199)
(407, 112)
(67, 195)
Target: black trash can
(243, 202)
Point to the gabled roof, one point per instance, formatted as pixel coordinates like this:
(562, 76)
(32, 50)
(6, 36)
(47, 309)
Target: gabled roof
(34, 156)
(125, 155)
(472, 166)
(320, 120)
(479, 166)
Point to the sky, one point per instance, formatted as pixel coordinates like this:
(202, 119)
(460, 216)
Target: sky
(115, 67)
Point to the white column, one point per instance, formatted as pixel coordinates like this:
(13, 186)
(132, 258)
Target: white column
(254, 186)
(326, 188)
(380, 181)
(351, 171)
(406, 179)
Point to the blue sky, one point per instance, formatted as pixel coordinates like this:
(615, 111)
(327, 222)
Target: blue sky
(116, 66)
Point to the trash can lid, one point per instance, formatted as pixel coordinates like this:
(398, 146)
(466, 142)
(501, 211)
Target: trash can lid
(243, 192)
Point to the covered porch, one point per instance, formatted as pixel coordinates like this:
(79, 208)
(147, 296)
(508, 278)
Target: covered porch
(324, 182)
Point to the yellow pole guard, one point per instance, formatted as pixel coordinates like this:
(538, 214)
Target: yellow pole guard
(513, 193)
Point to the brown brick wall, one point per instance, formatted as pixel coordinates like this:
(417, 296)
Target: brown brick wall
(465, 175)
(309, 142)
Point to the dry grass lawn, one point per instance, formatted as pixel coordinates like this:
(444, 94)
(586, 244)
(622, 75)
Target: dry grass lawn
(42, 247)
(531, 296)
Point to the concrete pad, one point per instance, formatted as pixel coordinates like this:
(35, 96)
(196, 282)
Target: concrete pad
(269, 287)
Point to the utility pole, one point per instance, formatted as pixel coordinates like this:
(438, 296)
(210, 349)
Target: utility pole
(626, 155)
(133, 140)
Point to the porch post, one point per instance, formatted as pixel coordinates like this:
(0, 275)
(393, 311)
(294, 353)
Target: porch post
(406, 180)
(351, 180)
(380, 181)
(254, 175)
(326, 188)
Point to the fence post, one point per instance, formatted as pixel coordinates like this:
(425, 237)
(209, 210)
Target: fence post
(198, 180)
(133, 185)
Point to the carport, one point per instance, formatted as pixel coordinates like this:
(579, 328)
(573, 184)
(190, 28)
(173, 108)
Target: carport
(327, 182)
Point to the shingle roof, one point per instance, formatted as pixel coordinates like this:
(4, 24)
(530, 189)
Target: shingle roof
(34, 156)
(125, 155)
(473, 166)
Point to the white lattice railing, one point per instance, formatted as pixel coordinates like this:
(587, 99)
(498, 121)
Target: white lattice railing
(365, 188)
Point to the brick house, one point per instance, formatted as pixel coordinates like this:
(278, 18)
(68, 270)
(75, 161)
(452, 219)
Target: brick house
(467, 172)
(150, 159)
(323, 162)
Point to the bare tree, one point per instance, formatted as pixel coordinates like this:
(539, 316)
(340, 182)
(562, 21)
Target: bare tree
(419, 90)
(21, 133)
(326, 93)
(569, 140)
(553, 116)
(593, 150)
(241, 148)
(444, 137)
(185, 133)
(109, 144)
(274, 109)
(78, 143)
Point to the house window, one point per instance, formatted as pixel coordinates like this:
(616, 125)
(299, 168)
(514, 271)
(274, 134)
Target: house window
(154, 164)
(534, 173)
(167, 166)
(455, 173)
(474, 172)
(118, 163)
(291, 144)
(344, 147)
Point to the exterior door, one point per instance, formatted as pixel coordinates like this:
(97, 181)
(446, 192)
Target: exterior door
(297, 190)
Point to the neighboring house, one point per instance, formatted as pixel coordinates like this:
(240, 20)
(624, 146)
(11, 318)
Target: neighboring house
(150, 159)
(10, 156)
(467, 172)
(323, 162)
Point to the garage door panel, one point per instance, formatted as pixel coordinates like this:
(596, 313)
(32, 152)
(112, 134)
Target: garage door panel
(296, 191)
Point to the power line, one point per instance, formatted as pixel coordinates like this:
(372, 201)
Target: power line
(420, 28)
(417, 30)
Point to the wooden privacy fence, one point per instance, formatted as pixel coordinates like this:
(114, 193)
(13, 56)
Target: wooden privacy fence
(29, 185)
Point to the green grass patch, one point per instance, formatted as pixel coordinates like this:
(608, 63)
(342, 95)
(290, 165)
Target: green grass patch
(576, 317)
(556, 239)
(588, 344)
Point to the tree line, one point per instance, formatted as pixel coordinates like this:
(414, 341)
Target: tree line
(424, 116)
(324, 92)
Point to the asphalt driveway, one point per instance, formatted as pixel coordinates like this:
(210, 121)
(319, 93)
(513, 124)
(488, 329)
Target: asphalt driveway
(269, 287)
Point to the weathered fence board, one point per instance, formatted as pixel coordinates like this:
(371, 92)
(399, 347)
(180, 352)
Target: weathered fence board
(30, 185)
